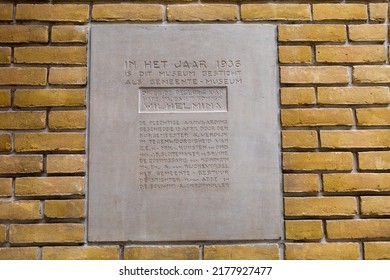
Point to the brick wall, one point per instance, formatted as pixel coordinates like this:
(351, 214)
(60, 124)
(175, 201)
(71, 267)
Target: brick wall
(334, 94)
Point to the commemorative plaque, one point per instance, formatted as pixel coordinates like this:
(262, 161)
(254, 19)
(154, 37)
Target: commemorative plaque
(184, 133)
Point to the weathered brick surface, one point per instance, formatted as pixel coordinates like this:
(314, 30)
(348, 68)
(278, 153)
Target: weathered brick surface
(367, 32)
(49, 186)
(20, 210)
(371, 74)
(320, 206)
(355, 229)
(351, 54)
(65, 164)
(26, 253)
(324, 251)
(5, 187)
(39, 142)
(340, 12)
(299, 139)
(67, 119)
(314, 75)
(316, 117)
(303, 230)
(46, 233)
(375, 205)
(81, 253)
(6, 11)
(162, 253)
(5, 55)
(374, 182)
(22, 76)
(312, 33)
(49, 97)
(378, 11)
(48, 12)
(200, 12)
(68, 76)
(23, 34)
(374, 160)
(127, 12)
(69, 34)
(14, 164)
(51, 55)
(295, 54)
(3, 234)
(22, 120)
(297, 96)
(373, 116)
(65, 209)
(241, 252)
(353, 95)
(310, 161)
(375, 138)
(5, 98)
(5, 143)
(297, 183)
(377, 250)
(252, 12)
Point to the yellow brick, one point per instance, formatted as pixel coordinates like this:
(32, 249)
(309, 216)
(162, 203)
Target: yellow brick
(373, 116)
(340, 12)
(320, 206)
(316, 117)
(20, 76)
(47, 233)
(49, 97)
(127, 12)
(314, 75)
(297, 96)
(317, 161)
(5, 187)
(200, 12)
(377, 250)
(21, 164)
(250, 12)
(375, 182)
(48, 12)
(295, 54)
(374, 160)
(5, 55)
(81, 253)
(68, 76)
(23, 34)
(26, 253)
(52, 55)
(378, 11)
(371, 74)
(65, 209)
(299, 139)
(355, 139)
(5, 143)
(241, 252)
(38, 142)
(303, 230)
(69, 34)
(353, 95)
(312, 33)
(297, 183)
(357, 229)
(6, 11)
(324, 251)
(162, 253)
(65, 164)
(375, 205)
(5, 98)
(22, 120)
(20, 210)
(367, 32)
(67, 119)
(3, 234)
(49, 186)
(351, 54)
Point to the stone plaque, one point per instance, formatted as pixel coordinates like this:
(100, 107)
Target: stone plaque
(184, 137)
